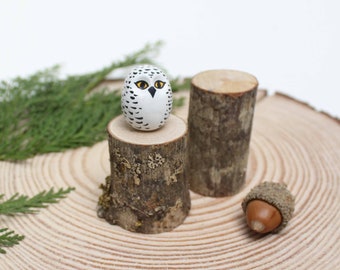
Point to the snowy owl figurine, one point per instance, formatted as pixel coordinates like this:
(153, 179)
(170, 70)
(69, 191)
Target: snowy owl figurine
(146, 98)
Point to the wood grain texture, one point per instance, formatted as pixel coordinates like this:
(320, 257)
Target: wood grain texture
(290, 143)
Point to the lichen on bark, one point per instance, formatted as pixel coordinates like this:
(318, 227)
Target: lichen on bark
(146, 191)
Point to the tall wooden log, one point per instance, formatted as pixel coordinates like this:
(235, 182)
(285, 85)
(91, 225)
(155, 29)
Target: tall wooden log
(219, 128)
(146, 191)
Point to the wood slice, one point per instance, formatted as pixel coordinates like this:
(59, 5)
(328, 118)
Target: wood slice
(290, 143)
(219, 128)
(146, 191)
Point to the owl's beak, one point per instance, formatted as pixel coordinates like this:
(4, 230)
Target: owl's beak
(152, 91)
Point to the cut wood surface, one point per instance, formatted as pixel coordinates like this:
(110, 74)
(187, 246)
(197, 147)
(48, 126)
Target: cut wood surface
(290, 143)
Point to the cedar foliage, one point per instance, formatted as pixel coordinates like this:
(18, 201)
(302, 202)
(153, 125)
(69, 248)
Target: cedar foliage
(43, 113)
(22, 204)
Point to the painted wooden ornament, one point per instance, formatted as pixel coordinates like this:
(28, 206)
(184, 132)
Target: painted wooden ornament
(146, 98)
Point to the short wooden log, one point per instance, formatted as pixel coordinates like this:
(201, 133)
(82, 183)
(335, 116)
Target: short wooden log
(146, 191)
(219, 129)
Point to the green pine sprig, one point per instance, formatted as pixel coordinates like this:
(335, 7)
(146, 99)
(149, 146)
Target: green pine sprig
(43, 113)
(22, 204)
(9, 239)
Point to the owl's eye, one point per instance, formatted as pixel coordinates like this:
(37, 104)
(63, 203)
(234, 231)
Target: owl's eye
(142, 84)
(159, 84)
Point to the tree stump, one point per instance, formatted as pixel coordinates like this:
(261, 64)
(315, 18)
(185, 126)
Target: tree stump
(146, 191)
(219, 128)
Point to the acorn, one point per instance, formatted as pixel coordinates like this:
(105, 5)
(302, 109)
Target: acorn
(268, 207)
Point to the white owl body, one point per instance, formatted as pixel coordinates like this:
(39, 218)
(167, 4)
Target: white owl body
(146, 98)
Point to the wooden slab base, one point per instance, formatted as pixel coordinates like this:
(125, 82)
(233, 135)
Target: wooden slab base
(301, 148)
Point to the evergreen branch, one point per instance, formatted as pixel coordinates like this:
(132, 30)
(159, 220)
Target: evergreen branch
(22, 204)
(8, 239)
(178, 84)
(43, 113)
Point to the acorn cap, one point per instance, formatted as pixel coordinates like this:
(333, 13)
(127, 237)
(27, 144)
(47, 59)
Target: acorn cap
(275, 194)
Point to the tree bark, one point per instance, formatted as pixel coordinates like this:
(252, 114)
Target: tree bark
(219, 128)
(146, 191)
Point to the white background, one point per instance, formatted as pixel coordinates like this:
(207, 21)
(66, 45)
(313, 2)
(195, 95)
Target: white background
(291, 46)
